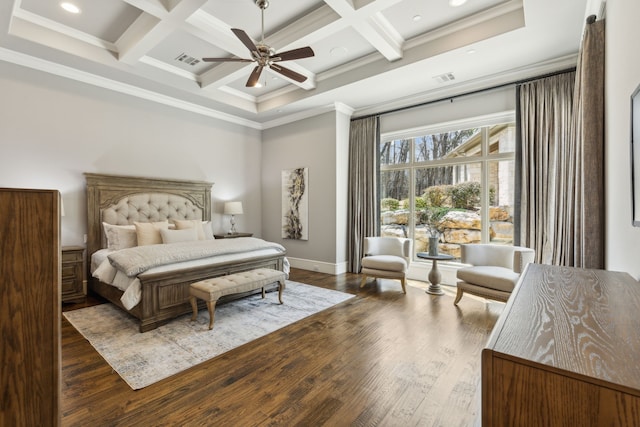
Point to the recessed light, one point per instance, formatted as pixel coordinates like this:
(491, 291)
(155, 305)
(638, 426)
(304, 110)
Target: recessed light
(456, 3)
(416, 18)
(70, 7)
(471, 51)
(338, 51)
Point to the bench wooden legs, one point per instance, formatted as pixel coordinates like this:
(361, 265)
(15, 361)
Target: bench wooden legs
(280, 288)
(211, 306)
(194, 308)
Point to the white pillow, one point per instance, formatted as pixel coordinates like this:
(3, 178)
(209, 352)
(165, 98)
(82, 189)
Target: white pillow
(120, 236)
(148, 233)
(182, 224)
(208, 230)
(105, 272)
(176, 236)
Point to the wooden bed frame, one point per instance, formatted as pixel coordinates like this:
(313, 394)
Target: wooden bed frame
(164, 295)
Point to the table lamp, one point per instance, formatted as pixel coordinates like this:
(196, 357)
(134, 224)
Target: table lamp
(233, 208)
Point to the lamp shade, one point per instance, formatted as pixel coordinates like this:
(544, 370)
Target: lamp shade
(233, 208)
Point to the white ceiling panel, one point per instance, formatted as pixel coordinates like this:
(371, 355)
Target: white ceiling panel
(104, 19)
(185, 51)
(337, 49)
(415, 17)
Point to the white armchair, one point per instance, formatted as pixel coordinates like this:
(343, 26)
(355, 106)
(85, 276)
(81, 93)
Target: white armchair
(386, 257)
(494, 270)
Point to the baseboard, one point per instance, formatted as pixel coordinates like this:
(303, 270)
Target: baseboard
(417, 270)
(321, 266)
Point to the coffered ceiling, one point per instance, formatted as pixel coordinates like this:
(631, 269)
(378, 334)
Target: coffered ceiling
(370, 55)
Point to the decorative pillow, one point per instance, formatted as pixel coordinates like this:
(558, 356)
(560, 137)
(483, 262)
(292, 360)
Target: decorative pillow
(182, 224)
(176, 236)
(120, 236)
(208, 230)
(148, 233)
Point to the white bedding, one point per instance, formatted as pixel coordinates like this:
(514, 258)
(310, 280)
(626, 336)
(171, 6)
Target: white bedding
(103, 270)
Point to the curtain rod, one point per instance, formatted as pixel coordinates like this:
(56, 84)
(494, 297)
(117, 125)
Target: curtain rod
(451, 98)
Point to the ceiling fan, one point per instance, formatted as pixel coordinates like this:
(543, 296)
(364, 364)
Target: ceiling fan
(265, 56)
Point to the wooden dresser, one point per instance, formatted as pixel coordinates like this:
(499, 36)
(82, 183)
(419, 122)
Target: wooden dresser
(565, 351)
(30, 307)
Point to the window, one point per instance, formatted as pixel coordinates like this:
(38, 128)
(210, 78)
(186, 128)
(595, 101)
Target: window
(464, 177)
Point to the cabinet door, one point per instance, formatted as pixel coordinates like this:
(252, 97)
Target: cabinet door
(30, 307)
(72, 271)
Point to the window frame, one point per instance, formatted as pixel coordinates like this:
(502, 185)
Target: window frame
(485, 158)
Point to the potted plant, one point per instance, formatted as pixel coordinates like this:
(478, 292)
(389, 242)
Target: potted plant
(433, 219)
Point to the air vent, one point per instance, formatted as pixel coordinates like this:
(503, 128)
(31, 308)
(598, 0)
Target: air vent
(187, 59)
(443, 78)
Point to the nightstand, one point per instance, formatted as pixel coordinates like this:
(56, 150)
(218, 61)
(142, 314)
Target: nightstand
(72, 273)
(232, 236)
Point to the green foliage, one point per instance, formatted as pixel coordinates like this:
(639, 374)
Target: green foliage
(465, 195)
(389, 204)
(437, 195)
(421, 203)
(432, 216)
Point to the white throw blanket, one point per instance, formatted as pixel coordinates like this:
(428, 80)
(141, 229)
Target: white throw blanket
(136, 260)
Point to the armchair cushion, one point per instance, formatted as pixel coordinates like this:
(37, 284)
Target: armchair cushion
(384, 262)
(386, 257)
(498, 278)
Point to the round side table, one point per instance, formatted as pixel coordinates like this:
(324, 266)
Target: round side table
(434, 274)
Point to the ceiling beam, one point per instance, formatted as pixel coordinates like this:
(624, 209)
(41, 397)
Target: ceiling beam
(371, 25)
(148, 30)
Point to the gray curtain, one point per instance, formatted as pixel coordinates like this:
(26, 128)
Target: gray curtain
(560, 157)
(589, 224)
(363, 191)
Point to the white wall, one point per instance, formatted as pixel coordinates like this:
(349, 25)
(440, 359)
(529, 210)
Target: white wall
(622, 77)
(52, 130)
(310, 143)
(343, 125)
(459, 109)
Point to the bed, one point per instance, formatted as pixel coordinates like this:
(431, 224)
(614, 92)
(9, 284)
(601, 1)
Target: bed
(123, 201)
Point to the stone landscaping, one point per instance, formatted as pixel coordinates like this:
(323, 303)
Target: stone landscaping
(457, 227)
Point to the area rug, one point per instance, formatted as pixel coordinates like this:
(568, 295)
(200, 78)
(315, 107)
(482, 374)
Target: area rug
(142, 359)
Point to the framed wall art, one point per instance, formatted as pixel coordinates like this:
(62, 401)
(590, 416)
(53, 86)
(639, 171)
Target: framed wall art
(295, 204)
(635, 157)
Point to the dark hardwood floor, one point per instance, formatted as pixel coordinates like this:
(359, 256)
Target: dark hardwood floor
(382, 358)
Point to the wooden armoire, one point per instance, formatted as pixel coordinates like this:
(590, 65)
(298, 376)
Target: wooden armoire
(30, 307)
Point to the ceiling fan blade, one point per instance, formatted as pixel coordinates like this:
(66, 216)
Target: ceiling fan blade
(245, 39)
(303, 52)
(288, 73)
(226, 60)
(255, 76)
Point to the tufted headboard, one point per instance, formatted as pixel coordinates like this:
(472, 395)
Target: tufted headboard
(121, 200)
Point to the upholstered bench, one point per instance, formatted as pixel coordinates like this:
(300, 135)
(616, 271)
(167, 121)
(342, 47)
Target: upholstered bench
(210, 290)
